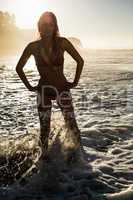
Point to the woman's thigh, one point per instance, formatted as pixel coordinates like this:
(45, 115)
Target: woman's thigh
(65, 103)
(43, 101)
(48, 91)
(44, 106)
(64, 100)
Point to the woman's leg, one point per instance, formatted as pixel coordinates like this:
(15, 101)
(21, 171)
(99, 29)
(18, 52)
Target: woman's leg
(65, 103)
(44, 106)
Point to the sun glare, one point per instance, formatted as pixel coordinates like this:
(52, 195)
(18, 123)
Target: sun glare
(27, 12)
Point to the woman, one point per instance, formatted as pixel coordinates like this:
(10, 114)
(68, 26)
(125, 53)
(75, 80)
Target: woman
(48, 52)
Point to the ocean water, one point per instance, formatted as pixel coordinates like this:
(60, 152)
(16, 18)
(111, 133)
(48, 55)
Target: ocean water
(103, 102)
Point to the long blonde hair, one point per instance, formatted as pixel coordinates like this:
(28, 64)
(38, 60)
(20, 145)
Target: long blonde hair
(56, 34)
(41, 20)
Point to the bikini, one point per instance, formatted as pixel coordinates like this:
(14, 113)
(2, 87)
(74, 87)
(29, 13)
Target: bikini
(40, 61)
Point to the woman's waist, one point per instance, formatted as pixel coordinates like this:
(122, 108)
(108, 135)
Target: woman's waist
(57, 84)
(53, 80)
(43, 81)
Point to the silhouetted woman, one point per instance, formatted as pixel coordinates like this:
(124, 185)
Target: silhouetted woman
(48, 52)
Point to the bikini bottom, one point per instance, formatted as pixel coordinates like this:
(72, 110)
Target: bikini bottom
(51, 91)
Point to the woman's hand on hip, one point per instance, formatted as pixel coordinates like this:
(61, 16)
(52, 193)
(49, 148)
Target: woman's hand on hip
(33, 88)
(70, 85)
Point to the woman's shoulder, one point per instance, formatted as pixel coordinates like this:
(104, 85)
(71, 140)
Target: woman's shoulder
(34, 43)
(64, 41)
(32, 46)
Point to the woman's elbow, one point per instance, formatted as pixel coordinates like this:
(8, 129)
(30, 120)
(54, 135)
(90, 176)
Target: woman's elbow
(18, 69)
(81, 61)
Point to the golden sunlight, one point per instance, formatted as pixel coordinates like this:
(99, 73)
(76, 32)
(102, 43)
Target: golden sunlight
(27, 12)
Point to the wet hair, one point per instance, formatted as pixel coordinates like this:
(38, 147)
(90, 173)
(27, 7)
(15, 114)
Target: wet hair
(56, 48)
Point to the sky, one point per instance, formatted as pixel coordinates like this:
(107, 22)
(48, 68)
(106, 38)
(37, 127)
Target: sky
(98, 23)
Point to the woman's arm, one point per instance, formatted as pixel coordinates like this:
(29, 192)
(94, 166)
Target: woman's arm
(68, 46)
(22, 61)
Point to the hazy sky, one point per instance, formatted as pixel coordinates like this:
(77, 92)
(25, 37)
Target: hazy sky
(98, 23)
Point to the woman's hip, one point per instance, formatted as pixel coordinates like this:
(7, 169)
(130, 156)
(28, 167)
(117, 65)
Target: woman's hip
(52, 92)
